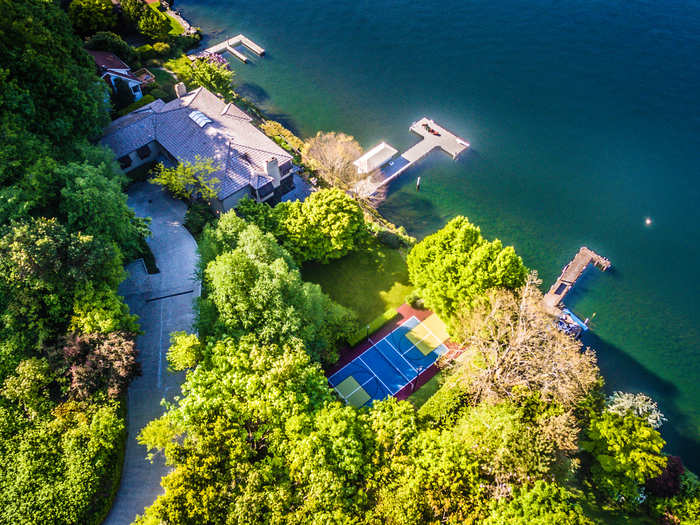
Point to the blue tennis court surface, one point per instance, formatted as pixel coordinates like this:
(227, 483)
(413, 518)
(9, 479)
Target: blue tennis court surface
(389, 364)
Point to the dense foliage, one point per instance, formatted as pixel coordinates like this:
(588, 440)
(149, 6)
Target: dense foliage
(455, 265)
(108, 41)
(212, 72)
(258, 437)
(146, 20)
(66, 337)
(255, 287)
(326, 225)
(188, 180)
(91, 16)
(518, 427)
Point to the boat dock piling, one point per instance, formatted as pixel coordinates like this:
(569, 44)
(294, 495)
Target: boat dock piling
(553, 299)
(230, 46)
(433, 136)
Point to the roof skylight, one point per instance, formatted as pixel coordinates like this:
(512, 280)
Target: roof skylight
(199, 118)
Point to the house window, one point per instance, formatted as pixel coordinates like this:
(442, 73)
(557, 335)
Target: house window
(124, 162)
(144, 152)
(136, 89)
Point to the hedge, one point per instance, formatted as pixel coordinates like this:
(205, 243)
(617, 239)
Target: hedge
(373, 326)
(146, 99)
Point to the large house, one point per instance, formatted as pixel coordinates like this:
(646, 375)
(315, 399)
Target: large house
(199, 124)
(110, 67)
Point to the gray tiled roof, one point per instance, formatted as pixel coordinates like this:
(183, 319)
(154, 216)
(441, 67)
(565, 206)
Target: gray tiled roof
(236, 146)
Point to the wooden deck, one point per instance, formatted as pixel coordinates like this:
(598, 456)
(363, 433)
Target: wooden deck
(446, 141)
(230, 45)
(569, 275)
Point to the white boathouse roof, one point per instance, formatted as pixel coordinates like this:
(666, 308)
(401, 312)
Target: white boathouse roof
(375, 158)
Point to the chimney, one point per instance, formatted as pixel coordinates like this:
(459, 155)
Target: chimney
(180, 90)
(273, 170)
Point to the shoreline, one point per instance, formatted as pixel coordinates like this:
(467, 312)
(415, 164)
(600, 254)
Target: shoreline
(677, 434)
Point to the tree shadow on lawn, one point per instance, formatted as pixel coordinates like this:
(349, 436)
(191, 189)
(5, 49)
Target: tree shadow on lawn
(369, 281)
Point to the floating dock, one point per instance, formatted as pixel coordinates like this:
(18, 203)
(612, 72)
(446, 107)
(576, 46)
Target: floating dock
(553, 299)
(441, 139)
(230, 46)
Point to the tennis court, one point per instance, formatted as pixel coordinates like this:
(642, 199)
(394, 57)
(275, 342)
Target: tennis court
(392, 362)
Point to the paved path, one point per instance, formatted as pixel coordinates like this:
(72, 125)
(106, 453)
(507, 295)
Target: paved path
(175, 253)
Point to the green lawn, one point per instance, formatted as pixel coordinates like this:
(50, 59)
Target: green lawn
(175, 26)
(420, 396)
(181, 67)
(368, 281)
(165, 80)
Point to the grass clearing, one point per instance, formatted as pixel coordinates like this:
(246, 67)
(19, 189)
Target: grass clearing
(176, 28)
(420, 396)
(369, 281)
(163, 77)
(181, 66)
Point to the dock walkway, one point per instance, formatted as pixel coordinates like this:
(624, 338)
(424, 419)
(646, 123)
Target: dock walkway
(445, 140)
(230, 45)
(553, 299)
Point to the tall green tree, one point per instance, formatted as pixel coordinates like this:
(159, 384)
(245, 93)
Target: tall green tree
(189, 179)
(91, 16)
(543, 504)
(43, 59)
(626, 452)
(42, 265)
(327, 225)
(213, 75)
(455, 265)
(255, 290)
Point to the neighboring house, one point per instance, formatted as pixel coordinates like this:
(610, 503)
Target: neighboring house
(199, 123)
(111, 67)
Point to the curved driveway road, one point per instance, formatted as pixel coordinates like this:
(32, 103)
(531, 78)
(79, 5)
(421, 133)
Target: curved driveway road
(163, 302)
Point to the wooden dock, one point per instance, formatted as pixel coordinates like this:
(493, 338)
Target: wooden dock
(230, 45)
(569, 275)
(444, 140)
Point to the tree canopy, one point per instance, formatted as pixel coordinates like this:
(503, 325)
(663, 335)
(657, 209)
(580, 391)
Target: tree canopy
(66, 337)
(327, 225)
(455, 265)
(90, 16)
(332, 154)
(187, 180)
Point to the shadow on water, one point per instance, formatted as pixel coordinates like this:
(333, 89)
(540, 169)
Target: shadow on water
(591, 277)
(254, 92)
(260, 97)
(624, 373)
(415, 212)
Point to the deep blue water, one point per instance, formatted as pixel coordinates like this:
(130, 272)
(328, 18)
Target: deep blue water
(584, 119)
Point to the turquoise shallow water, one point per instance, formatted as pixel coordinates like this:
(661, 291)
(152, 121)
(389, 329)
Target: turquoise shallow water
(584, 118)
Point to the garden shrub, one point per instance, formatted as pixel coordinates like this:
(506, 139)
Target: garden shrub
(146, 51)
(108, 41)
(158, 93)
(162, 48)
(146, 99)
(197, 216)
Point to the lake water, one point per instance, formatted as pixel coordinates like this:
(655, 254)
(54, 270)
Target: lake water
(584, 119)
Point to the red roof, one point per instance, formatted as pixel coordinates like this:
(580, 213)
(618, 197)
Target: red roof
(107, 60)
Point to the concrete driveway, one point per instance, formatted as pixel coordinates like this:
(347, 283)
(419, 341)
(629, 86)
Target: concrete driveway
(164, 303)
